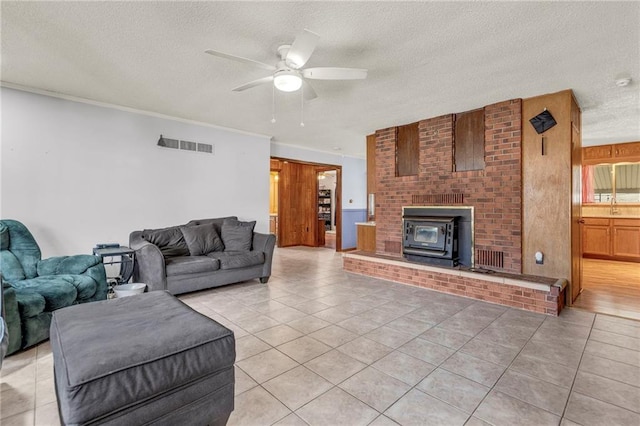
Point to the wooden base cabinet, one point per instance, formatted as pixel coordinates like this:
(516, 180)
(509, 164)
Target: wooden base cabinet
(626, 238)
(366, 237)
(596, 237)
(615, 239)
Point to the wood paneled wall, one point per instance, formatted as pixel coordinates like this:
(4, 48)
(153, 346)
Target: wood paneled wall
(550, 181)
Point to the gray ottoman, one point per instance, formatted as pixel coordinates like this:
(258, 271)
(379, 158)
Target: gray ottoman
(144, 359)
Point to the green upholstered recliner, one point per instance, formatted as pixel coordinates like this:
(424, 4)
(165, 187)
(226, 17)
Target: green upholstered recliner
(41, 286)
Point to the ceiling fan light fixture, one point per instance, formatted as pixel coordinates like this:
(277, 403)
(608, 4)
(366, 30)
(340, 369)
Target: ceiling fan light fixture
(287, 81)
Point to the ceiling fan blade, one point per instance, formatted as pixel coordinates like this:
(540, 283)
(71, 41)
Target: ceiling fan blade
(254, 83)
(307, 91)
(333, 73)
(240, 59)
(301, 49)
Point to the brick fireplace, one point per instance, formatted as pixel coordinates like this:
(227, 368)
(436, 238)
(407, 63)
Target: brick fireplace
(495, 193)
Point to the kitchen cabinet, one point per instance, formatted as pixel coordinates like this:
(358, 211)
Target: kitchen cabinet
(596, 237)
(615, 153)
(626, 238)
(627, 151)
(611, 238)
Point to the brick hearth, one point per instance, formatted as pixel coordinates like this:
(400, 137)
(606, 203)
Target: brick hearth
(537, 294)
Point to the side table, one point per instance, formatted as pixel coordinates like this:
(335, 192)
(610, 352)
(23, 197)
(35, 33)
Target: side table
(122, 255)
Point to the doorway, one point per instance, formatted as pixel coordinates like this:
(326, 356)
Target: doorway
(610, 287)
(305, 203)
(327, 180)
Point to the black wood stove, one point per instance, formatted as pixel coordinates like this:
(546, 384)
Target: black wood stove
(431, 239)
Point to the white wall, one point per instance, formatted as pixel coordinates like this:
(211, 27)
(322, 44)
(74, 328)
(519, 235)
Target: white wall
(78, 174)
(354, 171)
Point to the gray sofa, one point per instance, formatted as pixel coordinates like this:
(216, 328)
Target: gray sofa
(201, 254)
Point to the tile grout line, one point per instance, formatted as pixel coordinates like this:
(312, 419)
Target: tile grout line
(564, 411)
(506, 369)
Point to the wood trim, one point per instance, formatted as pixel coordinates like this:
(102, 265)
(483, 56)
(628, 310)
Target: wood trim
(338, 209)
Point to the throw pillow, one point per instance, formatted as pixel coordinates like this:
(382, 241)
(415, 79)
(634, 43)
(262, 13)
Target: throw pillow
(237, 235)
(202, 239)
(170, 241)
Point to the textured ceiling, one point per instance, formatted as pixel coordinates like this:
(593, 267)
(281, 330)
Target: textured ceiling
(424, 59)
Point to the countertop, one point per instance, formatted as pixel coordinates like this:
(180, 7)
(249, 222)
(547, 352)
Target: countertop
(611, 216)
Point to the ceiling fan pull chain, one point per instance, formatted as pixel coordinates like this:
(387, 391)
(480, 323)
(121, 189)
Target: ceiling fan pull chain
(273, 105)
(302, 106)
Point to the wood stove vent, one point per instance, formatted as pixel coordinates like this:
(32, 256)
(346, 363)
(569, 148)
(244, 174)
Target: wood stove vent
(491, 258)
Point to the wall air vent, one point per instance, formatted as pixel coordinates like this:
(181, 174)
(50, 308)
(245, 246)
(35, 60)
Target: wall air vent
(490, 258)
(205, 147)
(441, 199)
(188, 146)
(168, 143)
(185, 145)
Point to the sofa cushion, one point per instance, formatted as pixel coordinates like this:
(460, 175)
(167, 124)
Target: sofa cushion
(30, 303)
(11, 267)
(86, 286)
(4, 237)
(191, 265)
(77, 264)
(58, 290)
(237, 235)
(216, 222)
(238, 259)
(170, 241)
(201, 239)
(22, 244)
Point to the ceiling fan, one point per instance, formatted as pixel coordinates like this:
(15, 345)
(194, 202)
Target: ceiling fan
(288, 74)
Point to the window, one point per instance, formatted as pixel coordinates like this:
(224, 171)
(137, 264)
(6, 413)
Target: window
(468, 144)
(407, 150)
(602, 183)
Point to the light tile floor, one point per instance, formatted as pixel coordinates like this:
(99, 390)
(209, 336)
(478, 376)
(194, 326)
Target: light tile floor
(320, 346)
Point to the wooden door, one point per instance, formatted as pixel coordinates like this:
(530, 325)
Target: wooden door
(407, 150)
(297, 205)
(287, 206)
(468, 142)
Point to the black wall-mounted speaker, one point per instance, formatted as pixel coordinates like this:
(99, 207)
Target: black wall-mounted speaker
(543, 121)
